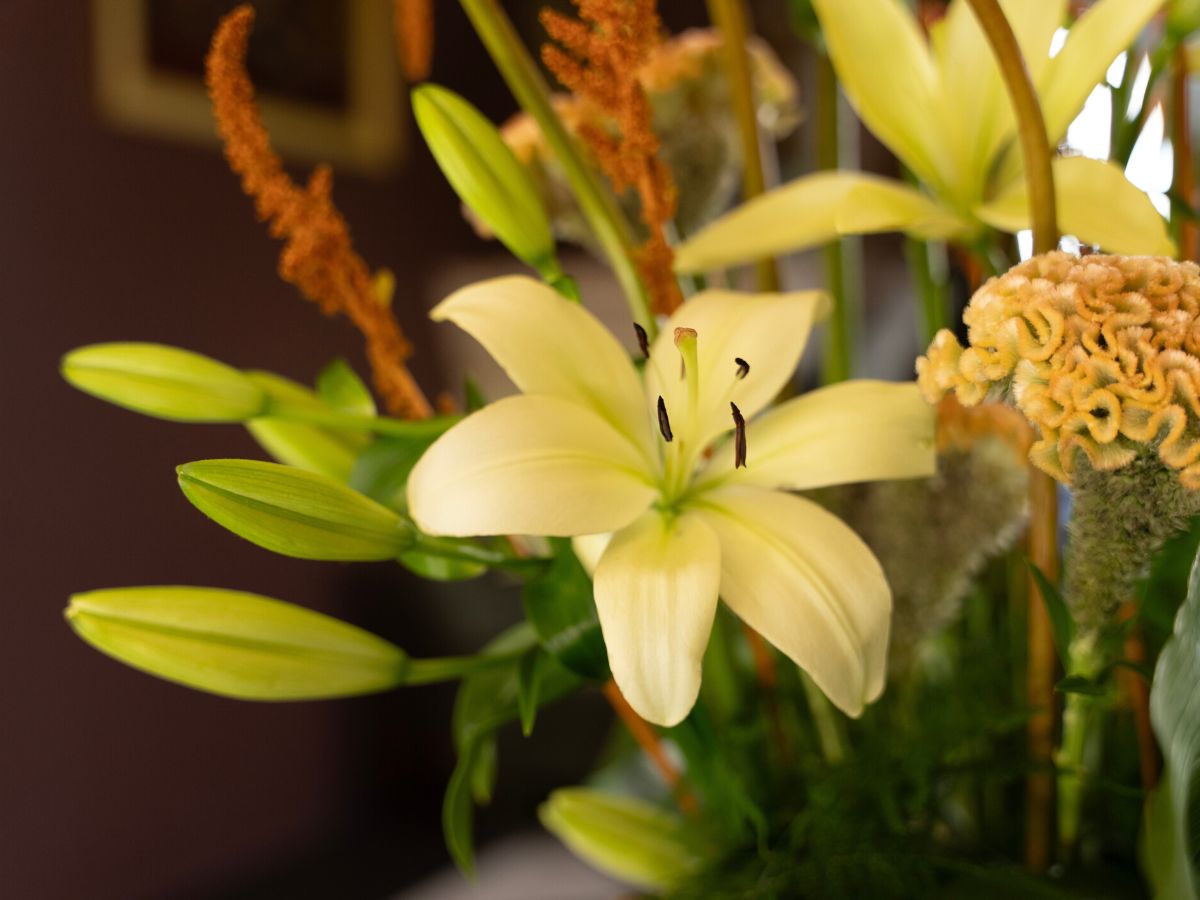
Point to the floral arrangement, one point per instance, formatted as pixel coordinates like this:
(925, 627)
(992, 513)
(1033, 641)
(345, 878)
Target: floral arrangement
(833, 622)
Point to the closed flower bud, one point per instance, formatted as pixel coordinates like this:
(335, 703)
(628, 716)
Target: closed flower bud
(165, 382)
(235, 644)
(485, 174)
(294, 512)
(629, 839)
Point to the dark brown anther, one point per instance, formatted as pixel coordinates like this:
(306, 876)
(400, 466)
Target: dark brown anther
(739, 438)
(664, 424)
(743, 367)
(643, 340)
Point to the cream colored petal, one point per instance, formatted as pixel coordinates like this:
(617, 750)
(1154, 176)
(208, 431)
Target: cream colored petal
(879, 204)
(983, 118)
(795, 216)
(529, 465)
(844, 433)
(808, 584)
(656, 593)
(1096, 203)
(887, 72)
(589, 548)
(1095, 40)
(768, 331)
(550, 345)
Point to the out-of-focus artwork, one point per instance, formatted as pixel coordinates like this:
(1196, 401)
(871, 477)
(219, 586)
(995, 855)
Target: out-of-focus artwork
(328, 83)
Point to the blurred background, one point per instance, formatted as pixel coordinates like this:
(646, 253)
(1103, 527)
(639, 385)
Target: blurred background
(121, 221)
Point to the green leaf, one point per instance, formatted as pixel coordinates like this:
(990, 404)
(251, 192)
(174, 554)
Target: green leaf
(474, 395)
(342, 389)
(625, 837)
(529, 685)
(164, 382)
(486, 701)
(235, 644)
(485, 174)
(559, 605)
(294, 512)
(1061, 622)
(1171, 832)
(1162, 591)
(310, 447)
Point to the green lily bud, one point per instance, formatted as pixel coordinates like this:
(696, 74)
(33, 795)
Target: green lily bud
(294, 512)
(486, 175)
(310, 447)
(235, 644)
(165, 382)
(629, 839)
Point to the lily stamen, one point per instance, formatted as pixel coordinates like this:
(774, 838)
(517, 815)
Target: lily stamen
(664, 424)
(743, 368)
(739, 437)
(642, 339)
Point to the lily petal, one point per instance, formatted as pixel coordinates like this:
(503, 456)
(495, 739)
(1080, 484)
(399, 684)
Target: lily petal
(795, 216)
(1096, 203)
(841, 434)
(656, 593)
(550, 345)
(888, 74)
(971, 78)
(1094, 41)
(529, 465)
(808, 584)
(767, 331)
(880, 204)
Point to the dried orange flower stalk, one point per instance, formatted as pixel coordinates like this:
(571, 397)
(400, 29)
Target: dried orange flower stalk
(413, 23)
(599, 59)
(318, 256)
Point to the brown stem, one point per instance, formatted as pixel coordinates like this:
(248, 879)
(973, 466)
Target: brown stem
(730, 17)
(1138, 692)
(651, 746)
(1181, 139)
(1031, 127)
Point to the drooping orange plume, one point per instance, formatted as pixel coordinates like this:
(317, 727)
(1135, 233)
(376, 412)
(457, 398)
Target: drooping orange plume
(598, 57)
(318, 256)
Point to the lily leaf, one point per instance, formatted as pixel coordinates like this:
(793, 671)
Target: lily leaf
(342, 389)
(1171, 832)
(559, 605)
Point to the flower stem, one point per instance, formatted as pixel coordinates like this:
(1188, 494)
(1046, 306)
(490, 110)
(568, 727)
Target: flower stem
(1043, 496)
(841, 335)
(927, 261)
(1184, 181)
(332, 418)
(596, 201)
(730, 17)
(651, 746)
(1031, 127)
(829, 732)
(1139, 698)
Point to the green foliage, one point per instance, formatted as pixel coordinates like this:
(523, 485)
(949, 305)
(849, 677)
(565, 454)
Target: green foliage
(1171, 838)
(342, 389)
(294, 512)
(487, 701)
(235, 644)
(559, 604)
(1060, 617)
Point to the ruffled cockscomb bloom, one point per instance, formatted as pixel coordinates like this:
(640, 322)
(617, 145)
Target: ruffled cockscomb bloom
(1102, 355)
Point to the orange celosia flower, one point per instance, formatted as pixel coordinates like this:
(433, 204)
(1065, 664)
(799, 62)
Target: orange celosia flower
(318, 256)
(599, 60)
(1101, 353)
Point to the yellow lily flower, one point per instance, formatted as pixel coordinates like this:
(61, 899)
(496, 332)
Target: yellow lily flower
(941, 107)
(590, 447)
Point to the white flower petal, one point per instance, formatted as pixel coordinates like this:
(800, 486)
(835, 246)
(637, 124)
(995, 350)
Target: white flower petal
(881, 204)
(550, 345)
(589, 548)
(849, 432)
(656, 593)
(808, 584)
(529, 465)
(1096, 203)
(768, 331)
(888, 74)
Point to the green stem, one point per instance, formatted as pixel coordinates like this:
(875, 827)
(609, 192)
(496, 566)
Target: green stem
(1031, 127)
(332, 418)
(449, 668)
(928, 265)
(829, 732)
(842, 329)
(730, 17)
(596, 201)
(452, 548)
